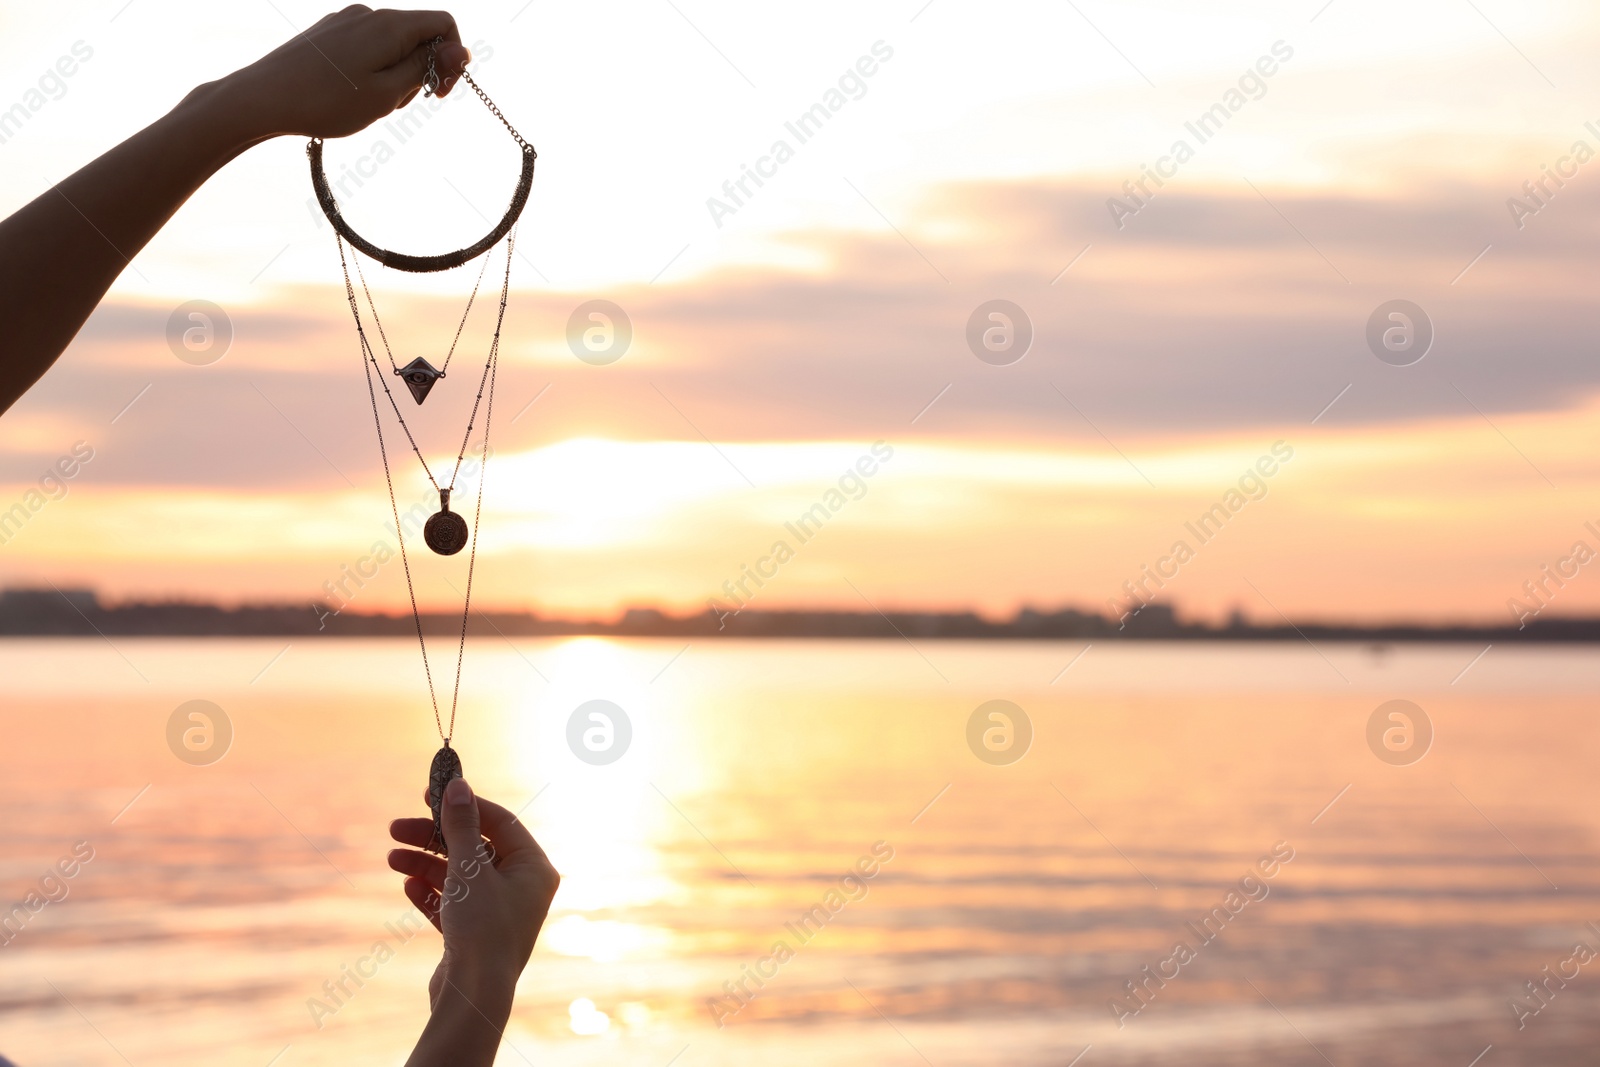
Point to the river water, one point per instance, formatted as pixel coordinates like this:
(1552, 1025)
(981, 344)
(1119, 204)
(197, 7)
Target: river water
(1009, 902)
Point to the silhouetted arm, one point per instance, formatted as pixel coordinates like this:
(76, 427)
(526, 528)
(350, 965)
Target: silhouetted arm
(60, 253)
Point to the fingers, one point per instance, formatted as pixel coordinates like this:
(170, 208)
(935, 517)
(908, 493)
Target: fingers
(426, 900)
(431, 869)
(407, 29)
(415, 832)
(405, 76)
(452, 61)
(407, 35)
(505, 831)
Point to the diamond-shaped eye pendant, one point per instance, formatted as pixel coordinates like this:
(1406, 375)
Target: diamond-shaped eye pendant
(419, 377)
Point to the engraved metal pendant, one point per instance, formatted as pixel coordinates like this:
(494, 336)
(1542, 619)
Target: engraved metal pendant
(446, 532)
(446, 765)
(419, 377)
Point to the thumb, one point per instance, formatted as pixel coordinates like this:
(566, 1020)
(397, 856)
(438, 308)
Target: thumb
(459, 821)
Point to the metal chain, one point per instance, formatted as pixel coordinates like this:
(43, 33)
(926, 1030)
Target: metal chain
(477, 515)
(491, 365)
(430, 85)
(467, 437)
(490, 104)
(399, 531)
(494, 349)
(355, 310)
(369, 363)
(459, 326)
(374, 308)
(448, 356)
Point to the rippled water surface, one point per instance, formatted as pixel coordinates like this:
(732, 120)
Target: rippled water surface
(1017, 902)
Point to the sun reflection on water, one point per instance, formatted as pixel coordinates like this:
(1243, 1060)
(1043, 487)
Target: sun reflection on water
(605, 825)
(602, 940)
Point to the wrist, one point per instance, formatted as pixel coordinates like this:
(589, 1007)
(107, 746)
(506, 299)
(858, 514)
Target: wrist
(468, 1021)
(221, 119)
(485, 983)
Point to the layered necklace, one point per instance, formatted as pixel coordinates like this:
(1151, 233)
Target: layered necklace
(446, 532)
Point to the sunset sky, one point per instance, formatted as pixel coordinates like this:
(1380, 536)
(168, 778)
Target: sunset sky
(773, 345)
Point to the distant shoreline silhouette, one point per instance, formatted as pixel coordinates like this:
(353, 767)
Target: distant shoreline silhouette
(80, 613)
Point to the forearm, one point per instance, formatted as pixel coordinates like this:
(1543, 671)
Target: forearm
(60, 253)
(466, 1025)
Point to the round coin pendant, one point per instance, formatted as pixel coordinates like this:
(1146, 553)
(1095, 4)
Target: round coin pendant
(446, 532)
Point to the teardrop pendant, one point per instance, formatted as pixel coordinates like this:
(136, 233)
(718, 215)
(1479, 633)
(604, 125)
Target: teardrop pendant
(446, 765)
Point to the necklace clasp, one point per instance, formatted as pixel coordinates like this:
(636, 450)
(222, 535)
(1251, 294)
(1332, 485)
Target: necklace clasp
(430, 78)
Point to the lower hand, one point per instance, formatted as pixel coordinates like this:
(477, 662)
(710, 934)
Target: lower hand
(489, 906)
